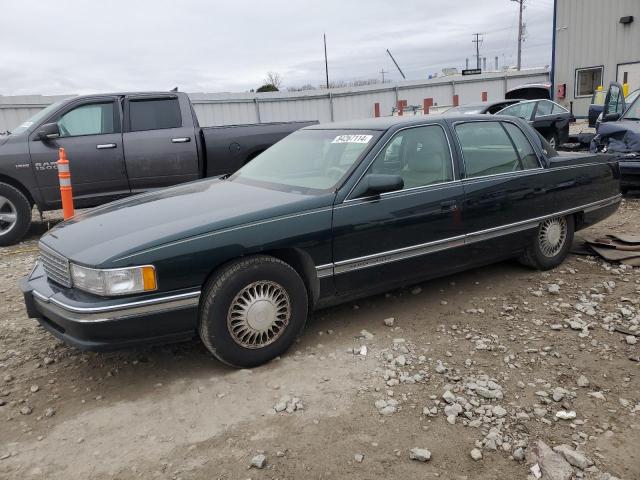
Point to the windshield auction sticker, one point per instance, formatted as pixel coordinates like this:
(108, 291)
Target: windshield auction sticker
(352, 139)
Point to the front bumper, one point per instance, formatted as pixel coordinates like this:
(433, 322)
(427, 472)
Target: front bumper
(93, 323)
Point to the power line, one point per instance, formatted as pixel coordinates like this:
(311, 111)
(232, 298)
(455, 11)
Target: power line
(477, 41)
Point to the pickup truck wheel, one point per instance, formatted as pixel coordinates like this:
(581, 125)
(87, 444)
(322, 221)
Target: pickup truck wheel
(252, 311)
(15, 215)
(551, 243)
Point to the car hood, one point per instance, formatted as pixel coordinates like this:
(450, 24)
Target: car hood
(3, 139)
(619, 137)
(113, 231)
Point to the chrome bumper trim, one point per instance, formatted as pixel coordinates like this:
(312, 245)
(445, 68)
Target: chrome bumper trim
(123, 310)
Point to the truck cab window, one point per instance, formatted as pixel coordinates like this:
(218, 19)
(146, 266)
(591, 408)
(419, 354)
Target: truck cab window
(154, 114)
(92, 119)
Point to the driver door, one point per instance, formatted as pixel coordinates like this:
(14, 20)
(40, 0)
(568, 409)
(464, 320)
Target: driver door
(91, 134)
(403, 235)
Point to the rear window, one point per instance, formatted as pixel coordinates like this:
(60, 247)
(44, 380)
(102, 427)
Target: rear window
(154, 114)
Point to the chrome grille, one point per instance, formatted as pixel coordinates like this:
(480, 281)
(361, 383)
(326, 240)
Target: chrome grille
(55, 266)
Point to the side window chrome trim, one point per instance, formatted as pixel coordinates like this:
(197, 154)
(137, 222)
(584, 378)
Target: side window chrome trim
(399, 193)
(382, 149)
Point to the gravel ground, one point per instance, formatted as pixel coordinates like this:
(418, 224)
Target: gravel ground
(496, 373)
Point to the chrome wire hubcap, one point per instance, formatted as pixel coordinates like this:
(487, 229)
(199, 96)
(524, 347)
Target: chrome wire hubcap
(552, 235)
(259, 314)
(8, 215)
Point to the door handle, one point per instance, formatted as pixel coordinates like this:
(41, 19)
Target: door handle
(181, 140)
(449, 206)
(103, 146)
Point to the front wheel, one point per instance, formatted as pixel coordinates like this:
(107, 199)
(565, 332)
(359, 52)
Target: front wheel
(551, 243)
(15, 215)
(252, 311)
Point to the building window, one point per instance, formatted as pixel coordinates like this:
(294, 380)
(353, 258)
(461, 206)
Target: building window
(588, 80)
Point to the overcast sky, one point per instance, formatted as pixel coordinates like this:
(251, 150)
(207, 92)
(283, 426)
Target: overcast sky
(86, 46)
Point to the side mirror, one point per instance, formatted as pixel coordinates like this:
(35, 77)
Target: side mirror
(49, 131)
(611, 117)
(375, 184)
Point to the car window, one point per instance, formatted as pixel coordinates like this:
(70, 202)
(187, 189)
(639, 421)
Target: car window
(93, 119)
(154, 114)
(486, 149)
(544, 108)
(521, 110)
(420, 155)
(308, 160)
(558, 108)
(528, 156)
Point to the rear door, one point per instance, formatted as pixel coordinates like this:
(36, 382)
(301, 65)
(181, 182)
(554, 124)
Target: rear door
(504, 185)
(160, 147)
(552, 121)
(91, 135)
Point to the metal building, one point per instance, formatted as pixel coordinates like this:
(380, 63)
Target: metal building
(595, 42)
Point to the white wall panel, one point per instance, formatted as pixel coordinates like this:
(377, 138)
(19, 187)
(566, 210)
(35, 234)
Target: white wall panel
(345, 103)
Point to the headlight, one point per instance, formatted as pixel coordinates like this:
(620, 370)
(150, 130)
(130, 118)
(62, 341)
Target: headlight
(115, 281)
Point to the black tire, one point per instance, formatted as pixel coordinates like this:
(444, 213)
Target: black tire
(534, 256)
(221, 291)
(13, 202)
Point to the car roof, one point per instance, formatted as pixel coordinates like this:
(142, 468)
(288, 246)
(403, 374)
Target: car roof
(388, 123)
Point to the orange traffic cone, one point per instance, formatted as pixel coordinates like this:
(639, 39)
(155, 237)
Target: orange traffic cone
(64, 176)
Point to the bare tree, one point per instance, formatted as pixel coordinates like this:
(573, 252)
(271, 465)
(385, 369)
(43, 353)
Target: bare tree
(273, 78)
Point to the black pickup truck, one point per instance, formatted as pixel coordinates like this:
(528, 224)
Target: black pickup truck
(118, 145)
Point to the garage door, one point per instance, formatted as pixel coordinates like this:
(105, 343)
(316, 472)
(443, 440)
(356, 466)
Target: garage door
(629, 73)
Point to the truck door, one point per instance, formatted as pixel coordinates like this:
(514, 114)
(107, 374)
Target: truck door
(91, 134)
(160, 147)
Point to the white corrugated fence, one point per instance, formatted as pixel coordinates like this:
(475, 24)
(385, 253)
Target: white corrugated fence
(322, 105)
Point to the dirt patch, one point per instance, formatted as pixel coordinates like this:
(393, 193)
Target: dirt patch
(480, 360)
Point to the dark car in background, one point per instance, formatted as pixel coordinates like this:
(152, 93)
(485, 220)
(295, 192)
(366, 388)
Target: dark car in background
(490, 108)
(619, 134)
(547, 117)
(331, 213)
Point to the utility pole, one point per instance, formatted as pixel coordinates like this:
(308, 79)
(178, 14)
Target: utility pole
(520, 31)
(326, 63)
(396, 63)
(477, 41)
(382, 72)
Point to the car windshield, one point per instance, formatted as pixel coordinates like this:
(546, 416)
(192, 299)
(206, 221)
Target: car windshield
(37, 118)
(633, 111)
(465, 110)
(308, 160)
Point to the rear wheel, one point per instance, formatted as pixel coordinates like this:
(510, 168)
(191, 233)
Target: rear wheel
(553, 140)
(15, 215)
(551, 243)
(252, 311)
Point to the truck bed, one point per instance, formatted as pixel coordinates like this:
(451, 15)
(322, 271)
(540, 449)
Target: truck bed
(229, 147)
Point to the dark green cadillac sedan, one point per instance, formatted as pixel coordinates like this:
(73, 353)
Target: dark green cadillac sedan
(331, 213)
